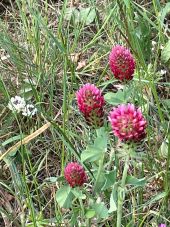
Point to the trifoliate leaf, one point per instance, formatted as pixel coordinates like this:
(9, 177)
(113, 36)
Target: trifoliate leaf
(164, 12)
(64, 197)
(110, 179)
(135, 181)
(87, 15)
(117, 98)
(94, 152)
(101, 210)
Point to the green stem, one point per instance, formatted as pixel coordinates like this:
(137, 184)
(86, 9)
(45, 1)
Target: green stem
(99, 172)
(65, 97)
(82, 207)
(167, 176)
(121, 192)
(18, 185)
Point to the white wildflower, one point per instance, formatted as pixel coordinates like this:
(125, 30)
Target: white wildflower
(161, 47)
(163, 72)
(16, 104)
(153, 43)
(29, 110)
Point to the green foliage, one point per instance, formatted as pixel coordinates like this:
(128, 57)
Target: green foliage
(64, 197)
(13, 139)
(90, 213)
(165, 55)
(163, 150)
(113, 199)
(143, 33)
(94, 152)
(135, 182)
(120, 97)
(110, 179)
(84, 15)
(78, 193)
(10, 140)
(39, 42)
(100, 210)
(27, 89)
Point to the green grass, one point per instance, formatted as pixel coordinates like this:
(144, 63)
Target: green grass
(39, 40)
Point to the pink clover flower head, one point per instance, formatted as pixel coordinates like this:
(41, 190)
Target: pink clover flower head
(122, 63)
(75, 174)
(90, 103)
(128, 123)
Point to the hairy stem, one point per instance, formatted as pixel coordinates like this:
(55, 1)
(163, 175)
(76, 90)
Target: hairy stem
(121, 192)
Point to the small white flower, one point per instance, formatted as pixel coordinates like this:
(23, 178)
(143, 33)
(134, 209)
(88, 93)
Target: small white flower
(16, 104)
(29, 110)
(163, 72)
(153, 43)
(161, 47)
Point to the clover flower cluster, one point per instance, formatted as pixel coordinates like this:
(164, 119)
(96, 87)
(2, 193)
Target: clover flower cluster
(122, 63)
(75, 174)
(127, 121)
(91, 102)
(17, 104)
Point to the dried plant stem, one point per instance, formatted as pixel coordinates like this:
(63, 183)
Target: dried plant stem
(25, 140)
